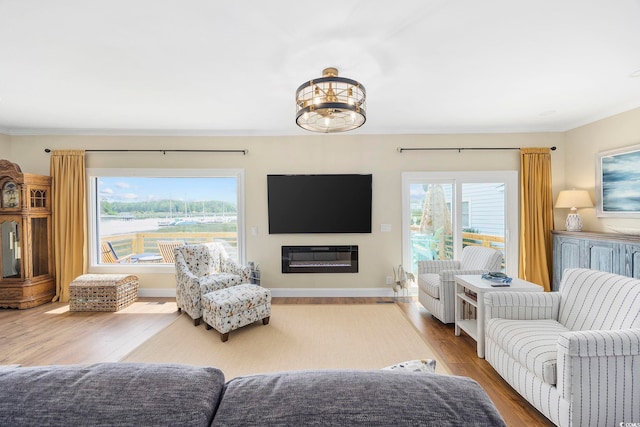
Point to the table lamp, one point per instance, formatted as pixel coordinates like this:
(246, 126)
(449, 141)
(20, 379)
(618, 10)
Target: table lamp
(574, 199)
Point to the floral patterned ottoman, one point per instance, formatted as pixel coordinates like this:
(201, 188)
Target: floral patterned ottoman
(231, 308)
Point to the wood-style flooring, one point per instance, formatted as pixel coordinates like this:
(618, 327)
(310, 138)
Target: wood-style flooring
(50, 334)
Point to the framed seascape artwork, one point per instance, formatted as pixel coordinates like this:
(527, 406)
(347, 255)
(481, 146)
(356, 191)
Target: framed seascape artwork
(618, 183)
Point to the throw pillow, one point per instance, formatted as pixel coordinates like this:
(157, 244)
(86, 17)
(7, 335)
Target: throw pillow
(423, 365)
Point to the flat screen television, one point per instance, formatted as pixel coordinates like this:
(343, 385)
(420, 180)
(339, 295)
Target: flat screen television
(319, 203)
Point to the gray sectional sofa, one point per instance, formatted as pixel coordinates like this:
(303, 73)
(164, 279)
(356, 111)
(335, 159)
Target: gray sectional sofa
(134, 394)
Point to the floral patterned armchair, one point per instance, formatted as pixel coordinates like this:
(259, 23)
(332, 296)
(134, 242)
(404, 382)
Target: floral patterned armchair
(201, 269)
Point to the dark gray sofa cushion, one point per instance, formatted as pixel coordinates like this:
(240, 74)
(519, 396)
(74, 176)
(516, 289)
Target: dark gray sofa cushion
(347, 398)
(108, 394)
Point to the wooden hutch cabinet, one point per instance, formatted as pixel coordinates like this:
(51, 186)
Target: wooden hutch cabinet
(26, 270)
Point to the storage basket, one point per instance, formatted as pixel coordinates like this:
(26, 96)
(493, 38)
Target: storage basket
(102, 292)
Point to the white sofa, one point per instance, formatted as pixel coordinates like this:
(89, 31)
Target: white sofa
(573, 354)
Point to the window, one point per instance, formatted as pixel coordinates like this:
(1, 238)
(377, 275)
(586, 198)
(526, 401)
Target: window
(446, 211)
(138, 216)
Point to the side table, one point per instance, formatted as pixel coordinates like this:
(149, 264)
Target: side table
(476, 284)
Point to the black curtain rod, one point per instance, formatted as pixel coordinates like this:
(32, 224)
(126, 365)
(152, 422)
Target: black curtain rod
(460, 149)
(244, 152)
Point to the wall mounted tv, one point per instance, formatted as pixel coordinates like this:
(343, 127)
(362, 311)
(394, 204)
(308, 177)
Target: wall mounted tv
(319, 203)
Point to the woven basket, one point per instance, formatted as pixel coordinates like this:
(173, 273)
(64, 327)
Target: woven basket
(102, 292)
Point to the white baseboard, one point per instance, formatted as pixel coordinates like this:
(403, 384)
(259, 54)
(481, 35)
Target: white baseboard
(336, 292)
(157, 292)
(296, 292)
(331, 292)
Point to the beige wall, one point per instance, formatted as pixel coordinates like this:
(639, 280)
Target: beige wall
(379, 251)
(573, 167)
(582, 145)
(4, 146)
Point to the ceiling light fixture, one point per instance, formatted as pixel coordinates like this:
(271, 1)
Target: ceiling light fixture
(331, 103)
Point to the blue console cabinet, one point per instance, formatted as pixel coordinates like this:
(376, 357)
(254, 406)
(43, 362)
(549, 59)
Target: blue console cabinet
(610, 252)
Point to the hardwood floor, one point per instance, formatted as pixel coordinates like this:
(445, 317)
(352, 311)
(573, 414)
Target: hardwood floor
(459, 354)
(50, 334)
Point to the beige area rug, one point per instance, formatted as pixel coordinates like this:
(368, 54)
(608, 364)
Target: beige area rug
(319, 336)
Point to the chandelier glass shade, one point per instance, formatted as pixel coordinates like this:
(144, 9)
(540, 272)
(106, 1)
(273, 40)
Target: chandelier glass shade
(331, 103)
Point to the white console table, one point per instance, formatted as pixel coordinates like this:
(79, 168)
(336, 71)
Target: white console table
(475, 283)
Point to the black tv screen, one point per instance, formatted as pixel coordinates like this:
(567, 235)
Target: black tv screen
(319, 203)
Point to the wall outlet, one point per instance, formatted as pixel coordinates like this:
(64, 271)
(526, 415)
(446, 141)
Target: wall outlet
(388, 280)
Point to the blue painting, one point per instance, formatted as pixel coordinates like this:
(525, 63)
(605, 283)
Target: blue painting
(620, 182)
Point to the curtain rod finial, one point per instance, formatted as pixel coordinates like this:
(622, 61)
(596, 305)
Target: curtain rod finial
(47, 150)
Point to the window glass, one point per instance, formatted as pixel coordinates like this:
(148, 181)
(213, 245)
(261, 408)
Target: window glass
(431, 222)
(445, 211)
(140, 219)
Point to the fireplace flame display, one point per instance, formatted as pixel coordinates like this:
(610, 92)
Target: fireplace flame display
(320, 259)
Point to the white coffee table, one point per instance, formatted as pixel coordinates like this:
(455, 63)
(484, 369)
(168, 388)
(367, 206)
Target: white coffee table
(475, 283)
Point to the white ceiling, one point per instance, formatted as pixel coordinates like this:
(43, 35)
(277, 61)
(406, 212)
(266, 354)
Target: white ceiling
(206, 67)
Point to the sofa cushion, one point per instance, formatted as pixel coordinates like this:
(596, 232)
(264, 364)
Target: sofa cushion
(347, 398)
(430, 283)
(532, 343)
(132, 394)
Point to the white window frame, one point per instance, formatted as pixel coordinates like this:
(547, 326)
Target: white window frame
(92, 210)
(468, 202)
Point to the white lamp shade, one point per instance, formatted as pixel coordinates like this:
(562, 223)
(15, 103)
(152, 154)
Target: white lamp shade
(574, 199)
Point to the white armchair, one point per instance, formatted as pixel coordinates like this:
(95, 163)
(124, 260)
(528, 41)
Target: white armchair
(201, 269)
(436, 287)
(573, 354)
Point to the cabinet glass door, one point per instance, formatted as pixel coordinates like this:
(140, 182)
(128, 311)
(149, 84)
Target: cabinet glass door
(10, 232)
(40, 246)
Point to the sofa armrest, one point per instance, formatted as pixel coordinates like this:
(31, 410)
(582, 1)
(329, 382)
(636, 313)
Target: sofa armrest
(597, 375)
(600, 343)
(437, 265)
(217, 281)
(230, 266)
(187, 283)
(182, 269)
(521, 305)
(448, 275)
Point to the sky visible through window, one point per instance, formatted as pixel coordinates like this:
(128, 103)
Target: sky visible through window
(140, 189)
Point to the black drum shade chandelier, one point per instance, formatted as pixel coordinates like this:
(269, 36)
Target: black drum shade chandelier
(331, 103)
